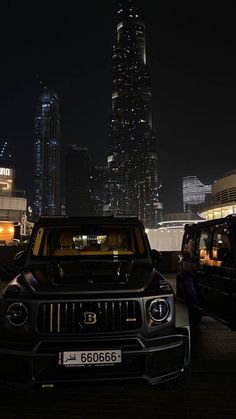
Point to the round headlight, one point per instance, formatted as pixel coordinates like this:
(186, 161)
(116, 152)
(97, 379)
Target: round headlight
(17, 314)
(159, 310)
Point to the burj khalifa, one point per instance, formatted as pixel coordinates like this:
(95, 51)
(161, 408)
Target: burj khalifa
(133, 188)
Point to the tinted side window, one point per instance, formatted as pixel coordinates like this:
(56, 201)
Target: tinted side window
(188, 245)
(221, 246)
(203, 247)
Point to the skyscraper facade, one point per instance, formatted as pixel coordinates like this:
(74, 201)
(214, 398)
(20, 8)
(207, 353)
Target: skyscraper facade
(47, 163)
(78, 195)
(195, 193)
(98, 188)
(132, 160)
(4, 152)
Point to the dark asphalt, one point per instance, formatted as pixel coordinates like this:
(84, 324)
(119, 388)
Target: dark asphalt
(212, 393)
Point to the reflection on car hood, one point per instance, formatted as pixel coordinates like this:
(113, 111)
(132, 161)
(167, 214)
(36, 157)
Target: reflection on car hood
(89, 277)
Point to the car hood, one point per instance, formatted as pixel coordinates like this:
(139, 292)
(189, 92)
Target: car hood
(88, 277)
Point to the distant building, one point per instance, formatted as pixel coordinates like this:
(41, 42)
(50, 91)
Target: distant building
(7, 177)
(133, 187)
(47, 180)
(195, 194)
(78, 198)
(168, 236)
(183, 217)
(13, 202)
(223, 198)
(4, 151)
(98, 188)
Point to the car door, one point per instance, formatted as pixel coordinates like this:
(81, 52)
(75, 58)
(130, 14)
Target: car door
(220, 275)
(202, 274)
(215, 272)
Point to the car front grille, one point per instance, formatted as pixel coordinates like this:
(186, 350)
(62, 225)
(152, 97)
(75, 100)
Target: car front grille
(86, 317)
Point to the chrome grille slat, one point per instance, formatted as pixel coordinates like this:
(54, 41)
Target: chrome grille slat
(44, 317)
(127, 314)
(99, 311)
(58, 317)
(134, 312)
(113, 315)
(120, 314)
(66, 316)
(73, 316)
(106, 323)
(102, 317)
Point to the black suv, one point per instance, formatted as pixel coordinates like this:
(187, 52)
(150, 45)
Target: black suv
(207, 279)
(90, 305)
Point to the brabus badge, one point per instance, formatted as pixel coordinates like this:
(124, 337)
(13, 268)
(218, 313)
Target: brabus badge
(90, 317)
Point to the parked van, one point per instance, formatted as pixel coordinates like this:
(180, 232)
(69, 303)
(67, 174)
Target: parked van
(207, 277)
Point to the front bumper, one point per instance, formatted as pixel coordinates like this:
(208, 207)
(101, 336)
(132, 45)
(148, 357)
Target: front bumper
(155, 360)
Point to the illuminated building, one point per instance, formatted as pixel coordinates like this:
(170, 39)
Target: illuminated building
(4, 152)
(98, 188)
(168, 235)
(132, 161)
(12, 201)
(195, 194)
(7, 178)
(223, 198)
(78, 199)
(47, 156)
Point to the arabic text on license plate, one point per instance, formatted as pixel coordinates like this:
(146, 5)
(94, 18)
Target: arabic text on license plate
(74, 358)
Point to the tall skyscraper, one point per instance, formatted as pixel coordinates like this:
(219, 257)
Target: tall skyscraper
(4, 151)
(98, 188)
(132, 160)
(47, 180)
(78, 199)
(195, 193)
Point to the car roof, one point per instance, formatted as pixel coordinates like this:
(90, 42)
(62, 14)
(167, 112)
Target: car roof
(206, 224)
(67, 221)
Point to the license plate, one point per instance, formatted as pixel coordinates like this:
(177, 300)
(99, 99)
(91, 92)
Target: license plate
(80, 358)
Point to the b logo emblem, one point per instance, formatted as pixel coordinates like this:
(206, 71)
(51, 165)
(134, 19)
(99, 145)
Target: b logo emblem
(90, 317)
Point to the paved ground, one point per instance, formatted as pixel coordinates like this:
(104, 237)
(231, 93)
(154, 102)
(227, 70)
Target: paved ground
(212, 393)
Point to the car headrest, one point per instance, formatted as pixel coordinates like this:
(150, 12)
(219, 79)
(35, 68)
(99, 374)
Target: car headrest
(66, 239)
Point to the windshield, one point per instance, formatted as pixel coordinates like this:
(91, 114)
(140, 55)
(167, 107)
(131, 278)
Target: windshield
(88, 241)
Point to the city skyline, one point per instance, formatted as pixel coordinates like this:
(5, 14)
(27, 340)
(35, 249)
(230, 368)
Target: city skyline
(193, 66)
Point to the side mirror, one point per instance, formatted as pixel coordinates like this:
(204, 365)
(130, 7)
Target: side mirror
(19, 258)
(156, 256)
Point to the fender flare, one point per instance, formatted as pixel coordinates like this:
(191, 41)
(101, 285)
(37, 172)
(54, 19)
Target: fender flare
(181, 314)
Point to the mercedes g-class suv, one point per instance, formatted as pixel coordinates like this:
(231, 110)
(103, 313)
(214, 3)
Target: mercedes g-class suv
(207, 278)
(89, 304)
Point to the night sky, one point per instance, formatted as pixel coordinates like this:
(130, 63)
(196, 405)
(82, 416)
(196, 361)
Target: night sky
(191, 50)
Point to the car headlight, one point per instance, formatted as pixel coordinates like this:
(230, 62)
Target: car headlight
(159, 310)
(17, 314)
